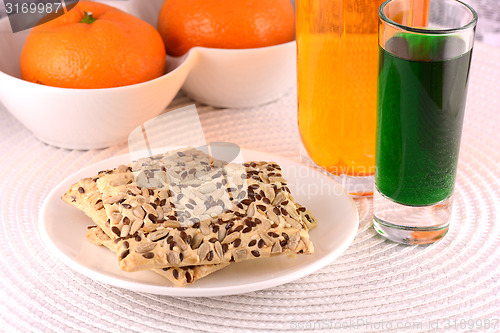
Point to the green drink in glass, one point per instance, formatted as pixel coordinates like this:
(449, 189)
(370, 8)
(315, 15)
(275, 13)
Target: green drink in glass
(422, 88)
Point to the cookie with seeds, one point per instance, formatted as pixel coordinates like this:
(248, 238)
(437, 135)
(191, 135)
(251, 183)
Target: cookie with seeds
(179, 277)
(202, 214)
(184, 208)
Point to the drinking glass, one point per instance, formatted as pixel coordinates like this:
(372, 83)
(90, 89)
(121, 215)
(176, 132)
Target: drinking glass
(424, 66)
(337, 54)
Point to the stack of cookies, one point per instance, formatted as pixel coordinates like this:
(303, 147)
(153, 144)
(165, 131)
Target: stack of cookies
(185, 215)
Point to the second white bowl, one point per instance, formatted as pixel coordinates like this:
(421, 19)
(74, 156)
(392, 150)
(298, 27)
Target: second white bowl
(98, 118)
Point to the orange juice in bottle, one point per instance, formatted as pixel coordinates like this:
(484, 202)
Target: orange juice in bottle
(337, 64)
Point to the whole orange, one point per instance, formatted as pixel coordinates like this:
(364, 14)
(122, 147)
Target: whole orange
(93, 46)
(235, 24)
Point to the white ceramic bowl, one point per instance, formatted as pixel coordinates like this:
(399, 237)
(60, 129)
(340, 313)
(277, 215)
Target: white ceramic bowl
(98, 118)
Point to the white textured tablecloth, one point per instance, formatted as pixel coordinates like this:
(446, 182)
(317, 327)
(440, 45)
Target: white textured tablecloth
(376, 285)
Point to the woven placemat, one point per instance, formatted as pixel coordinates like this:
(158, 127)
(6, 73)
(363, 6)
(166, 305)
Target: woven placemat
(376, 285)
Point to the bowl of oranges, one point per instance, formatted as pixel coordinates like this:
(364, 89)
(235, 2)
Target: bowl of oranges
(89, 77)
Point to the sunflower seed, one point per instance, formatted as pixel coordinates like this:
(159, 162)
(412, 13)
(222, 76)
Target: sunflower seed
(290, 208)
(214, 211)
(149, 227)
(173, 258)
(163, 193)
(135, 226)
(278, 199)
(171, 224)
(293, 223)
(218, 249)
(155, 183)
(134, 190)
(251, 210)
(199, 209)
(180, 242)
(269, 192)
(276, 248)
(221, 234)
(119, 181)
(267, 240)
(197, 239)
(154, 236)
(203, 250)
(149, 209)
(266, 225)
(240, 255)
(207, 188)
(264, 177)
(230, 238)
(272, 216)
(294, 241)
(204, 228)
(217, 194)
(143, 248)
(173, 177)
(125, 230)
(145, 191)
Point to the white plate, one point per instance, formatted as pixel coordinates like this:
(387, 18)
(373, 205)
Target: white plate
(63, 231)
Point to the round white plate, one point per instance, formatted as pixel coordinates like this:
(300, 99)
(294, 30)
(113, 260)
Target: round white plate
(63, 230)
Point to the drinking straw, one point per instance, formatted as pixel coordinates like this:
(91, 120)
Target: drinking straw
(419, 13)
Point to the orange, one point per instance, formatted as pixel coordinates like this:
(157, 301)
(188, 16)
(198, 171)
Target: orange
(236, 24)
(93, 46)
